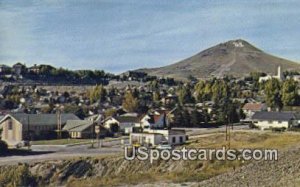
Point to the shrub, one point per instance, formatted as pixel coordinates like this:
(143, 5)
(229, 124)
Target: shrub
(16, 176)
(3, 147)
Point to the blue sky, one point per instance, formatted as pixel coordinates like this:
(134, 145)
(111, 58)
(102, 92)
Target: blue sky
(120, 35)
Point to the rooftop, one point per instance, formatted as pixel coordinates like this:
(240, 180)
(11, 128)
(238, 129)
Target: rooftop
(280, 116)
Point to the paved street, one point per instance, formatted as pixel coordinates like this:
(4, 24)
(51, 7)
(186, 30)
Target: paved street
(54, 152)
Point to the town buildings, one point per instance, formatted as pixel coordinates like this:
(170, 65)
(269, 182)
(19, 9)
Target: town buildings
(154, 137)
(26, 127)
(274, 120)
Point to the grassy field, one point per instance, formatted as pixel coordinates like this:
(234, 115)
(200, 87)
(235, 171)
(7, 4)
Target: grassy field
(193, 171)
(60, 141)
(71, 141)
(240, 140)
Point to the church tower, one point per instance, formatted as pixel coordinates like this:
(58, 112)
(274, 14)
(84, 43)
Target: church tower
(279, 73)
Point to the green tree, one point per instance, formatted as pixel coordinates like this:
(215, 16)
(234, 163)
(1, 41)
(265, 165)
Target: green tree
(289, 92)
(154, 86)
(187, 118)
(130, 103)
(184, 95)
(220, 90)
(110, 112)
(196, 118)
(98, 93)
(226, 111)
(200, 91)
(272, 93)
(156, 97)
(178, 117)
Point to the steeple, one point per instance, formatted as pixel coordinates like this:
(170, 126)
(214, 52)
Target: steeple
(279, 73)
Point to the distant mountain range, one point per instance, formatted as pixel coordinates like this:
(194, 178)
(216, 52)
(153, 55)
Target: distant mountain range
(235, 57)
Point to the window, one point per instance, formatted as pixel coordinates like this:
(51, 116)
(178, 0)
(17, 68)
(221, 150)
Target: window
(181, 139)
(279, 122)
(174, 139)
(270, 122)
(10, 125)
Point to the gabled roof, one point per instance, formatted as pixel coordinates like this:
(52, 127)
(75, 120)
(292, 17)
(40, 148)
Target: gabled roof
(41, 119)
(127, 119)
(82, 127)
(72, 124)
(153, 119)
(280, 116)
(254, 106)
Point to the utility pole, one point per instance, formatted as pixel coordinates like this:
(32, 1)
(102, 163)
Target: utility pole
(28, 131)
(97, 130)
(227, 132)
(58, 123)
(93, 131)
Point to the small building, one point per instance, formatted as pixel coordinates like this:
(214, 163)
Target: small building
(274, 120)
(40, 68)
(79, 128)
(20, 127)
(18, 68)
(123, 124)
(154, 137)
(250, 108)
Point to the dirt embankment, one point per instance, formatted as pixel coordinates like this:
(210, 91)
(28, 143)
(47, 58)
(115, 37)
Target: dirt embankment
(284, 172)
(93, 172)
(117, 171)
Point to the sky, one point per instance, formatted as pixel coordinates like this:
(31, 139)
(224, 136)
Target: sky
(121, 35)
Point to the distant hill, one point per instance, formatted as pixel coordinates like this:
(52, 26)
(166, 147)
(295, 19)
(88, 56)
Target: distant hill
(235, 57)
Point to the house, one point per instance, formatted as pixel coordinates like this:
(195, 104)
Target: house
(250, 108)
(80, 128)
(34, 69)
(20, 127)
(40, 68)
(154, 121)
(154, 137)
(124, 124)
(272, 120)
(158, 118)
(18, 68)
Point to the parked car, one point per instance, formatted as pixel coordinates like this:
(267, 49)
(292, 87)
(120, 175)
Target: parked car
(23, 144)
(164, 145)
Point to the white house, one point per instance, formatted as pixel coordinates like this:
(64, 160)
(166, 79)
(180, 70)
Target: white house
(271, 120)
(125, 123)
(154, 137)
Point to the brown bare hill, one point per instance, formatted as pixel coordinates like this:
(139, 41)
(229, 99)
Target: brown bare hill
(235, 57)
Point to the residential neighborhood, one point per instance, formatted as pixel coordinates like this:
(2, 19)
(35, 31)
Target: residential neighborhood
(149, 93)
(147, 112)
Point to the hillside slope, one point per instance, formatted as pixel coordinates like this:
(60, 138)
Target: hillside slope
(235, 57)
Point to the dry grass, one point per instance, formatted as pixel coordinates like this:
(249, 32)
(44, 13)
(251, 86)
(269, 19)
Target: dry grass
(200, 170)
(240, 140)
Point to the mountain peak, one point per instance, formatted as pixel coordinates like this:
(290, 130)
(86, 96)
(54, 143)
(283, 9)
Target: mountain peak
(238, 44)
(234, 57)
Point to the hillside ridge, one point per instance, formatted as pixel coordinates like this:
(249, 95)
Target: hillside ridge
(235, 57)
